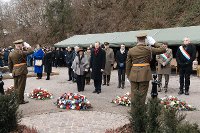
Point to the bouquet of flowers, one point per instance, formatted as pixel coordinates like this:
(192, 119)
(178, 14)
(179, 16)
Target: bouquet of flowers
(123, 100)
(40, 94)
(73, 101)
(174, 102)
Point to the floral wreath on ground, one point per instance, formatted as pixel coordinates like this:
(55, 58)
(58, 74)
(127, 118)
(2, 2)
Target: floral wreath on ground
(123, 100)
(174, 102)
(73, 101)
(167, 101)
(40, 94)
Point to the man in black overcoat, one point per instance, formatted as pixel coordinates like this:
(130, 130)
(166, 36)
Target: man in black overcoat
(97, 65)
(185, 56)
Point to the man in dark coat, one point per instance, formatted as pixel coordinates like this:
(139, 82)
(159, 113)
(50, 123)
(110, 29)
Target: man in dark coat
(97, 64)
(185, 56)
(121, 65)
(69, 59)
(48, 57)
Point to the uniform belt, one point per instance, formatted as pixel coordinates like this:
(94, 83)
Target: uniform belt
(16, 65)
(141, 65)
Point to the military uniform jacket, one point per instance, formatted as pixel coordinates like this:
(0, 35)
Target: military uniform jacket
(160, 59)
(18, 57)
(109, 61)
(138, 55)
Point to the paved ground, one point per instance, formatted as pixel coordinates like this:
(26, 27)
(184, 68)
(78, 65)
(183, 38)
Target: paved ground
(47, 118)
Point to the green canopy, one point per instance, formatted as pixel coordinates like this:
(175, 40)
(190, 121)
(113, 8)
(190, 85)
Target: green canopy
(174, 36)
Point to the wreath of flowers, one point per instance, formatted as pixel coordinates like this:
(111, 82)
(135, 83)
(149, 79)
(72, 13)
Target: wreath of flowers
(73, 101)
(40, 94)
(123, 100)
(174, 102)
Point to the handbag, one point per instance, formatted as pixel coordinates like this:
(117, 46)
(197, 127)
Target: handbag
(38, 62)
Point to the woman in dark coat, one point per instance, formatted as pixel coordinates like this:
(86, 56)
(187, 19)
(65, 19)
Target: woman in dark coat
(48, 63)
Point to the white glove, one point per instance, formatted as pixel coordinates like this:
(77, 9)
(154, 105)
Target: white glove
(10, 74)
(102, 70)
(91, 69)
(150, 40)
(26, 45)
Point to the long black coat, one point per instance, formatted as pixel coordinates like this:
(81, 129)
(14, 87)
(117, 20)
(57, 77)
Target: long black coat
(97, 63)
(48, 62)
(182, 61)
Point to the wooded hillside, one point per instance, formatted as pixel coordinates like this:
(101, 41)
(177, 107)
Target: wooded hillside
(49, 21)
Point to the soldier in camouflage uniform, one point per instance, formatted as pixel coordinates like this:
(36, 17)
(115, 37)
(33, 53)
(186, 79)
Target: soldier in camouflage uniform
(18, 68)
(138, 68)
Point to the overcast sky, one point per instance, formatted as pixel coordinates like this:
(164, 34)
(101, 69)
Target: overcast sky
(5, 0)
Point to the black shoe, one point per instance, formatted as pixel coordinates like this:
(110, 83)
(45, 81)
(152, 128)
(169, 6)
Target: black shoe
(94, 91)
(180, 92)
(108, 84)
(186, 93)
(69, 80)
(24, 102)
(98, 92)
(104, 84)
(47, 79)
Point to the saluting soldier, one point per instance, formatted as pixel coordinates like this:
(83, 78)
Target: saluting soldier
(164, 67)
(18, 68)
(109, 64)
(138, 68)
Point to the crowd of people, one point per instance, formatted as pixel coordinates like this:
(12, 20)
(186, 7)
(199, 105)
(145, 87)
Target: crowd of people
(97, 61)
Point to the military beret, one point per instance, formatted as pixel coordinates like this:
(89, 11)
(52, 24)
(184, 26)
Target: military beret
(141, 34)
(18, 41)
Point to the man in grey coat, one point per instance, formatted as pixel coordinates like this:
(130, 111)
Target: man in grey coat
(109, 64)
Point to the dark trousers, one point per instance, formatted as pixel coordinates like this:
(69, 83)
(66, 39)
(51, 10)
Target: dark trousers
(185, 77)
(1, 88)
(48, 75)
(39, 75)
(70, 72)
(1, 63)
(80, 80)
(121, 76)
(97, 84)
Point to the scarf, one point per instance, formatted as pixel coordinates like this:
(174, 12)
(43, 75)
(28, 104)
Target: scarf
(122, 51)
(96, 51)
